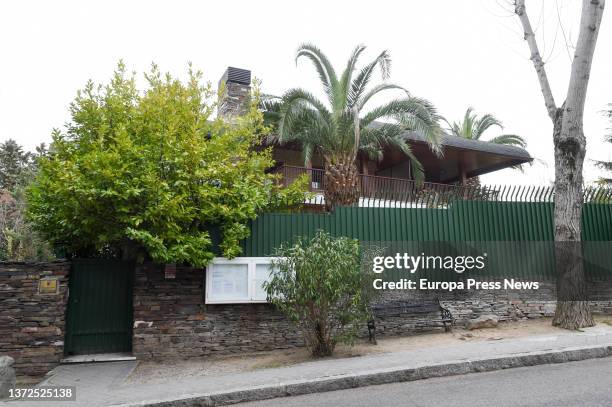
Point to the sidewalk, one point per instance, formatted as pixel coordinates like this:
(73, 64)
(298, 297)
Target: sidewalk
(103, 384)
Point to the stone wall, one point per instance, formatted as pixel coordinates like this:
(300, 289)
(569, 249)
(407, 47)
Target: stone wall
(507, 305)
(171, 319)
(466, 305)
(32, 323)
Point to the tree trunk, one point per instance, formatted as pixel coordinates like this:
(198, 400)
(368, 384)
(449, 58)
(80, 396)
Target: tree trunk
(322, 345)
(472, 189)
(341, 183)
(572, 311)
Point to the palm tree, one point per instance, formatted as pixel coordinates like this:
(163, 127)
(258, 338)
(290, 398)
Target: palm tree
(473, 127)
(341, 129)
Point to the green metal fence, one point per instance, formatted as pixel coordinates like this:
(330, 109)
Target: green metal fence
(513, 224)
(461, 221)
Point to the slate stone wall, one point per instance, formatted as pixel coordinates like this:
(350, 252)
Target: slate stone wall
(466, 305)
(171, 319)
(31, 323)
(508, 305)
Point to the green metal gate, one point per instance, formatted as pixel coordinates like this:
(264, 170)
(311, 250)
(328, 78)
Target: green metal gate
(99, 315)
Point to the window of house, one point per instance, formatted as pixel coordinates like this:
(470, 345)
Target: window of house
(237, 281)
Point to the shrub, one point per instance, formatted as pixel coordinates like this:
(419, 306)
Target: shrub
(319, 284)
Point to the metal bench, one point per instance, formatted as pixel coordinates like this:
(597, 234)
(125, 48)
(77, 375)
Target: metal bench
(399, 308)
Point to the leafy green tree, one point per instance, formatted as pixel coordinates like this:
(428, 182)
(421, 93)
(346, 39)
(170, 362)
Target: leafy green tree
(151, 172)
(319, 284)
(14, 164)
(347, 127)
(18, 242)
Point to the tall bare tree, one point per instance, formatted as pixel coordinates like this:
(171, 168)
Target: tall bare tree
(572, 310)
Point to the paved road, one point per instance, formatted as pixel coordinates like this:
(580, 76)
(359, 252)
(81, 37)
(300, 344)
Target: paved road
(104, 384)
(585, 383)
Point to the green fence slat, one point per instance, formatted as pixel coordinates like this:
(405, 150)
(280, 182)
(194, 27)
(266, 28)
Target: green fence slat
(523, 216)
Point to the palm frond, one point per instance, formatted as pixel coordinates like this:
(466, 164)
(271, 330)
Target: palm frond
(390, 135)
(411, 113)
(307, 153)
(482, 124)
(306, 127)
(509, 140)
(300, 109)
(473, 127)
(518, 167)
(467, 125)
(326, 71)
(270, 105)
(300, 123)
(269, 102)
(303, 96)
(381, 135)
(376, 90)
(449, 126)
(347, 75)
(418, 172)
(360, 83)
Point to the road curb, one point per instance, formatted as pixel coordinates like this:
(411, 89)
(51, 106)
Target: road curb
(361, 379)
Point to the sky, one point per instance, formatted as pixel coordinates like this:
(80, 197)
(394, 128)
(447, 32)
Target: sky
(456, 53)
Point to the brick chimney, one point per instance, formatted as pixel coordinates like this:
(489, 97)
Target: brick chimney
(236, 84)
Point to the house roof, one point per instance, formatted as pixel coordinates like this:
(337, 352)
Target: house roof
(459, 155)
(449, 141)
(474, 157)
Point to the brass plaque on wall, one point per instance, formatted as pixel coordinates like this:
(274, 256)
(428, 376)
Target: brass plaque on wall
(48, 286)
